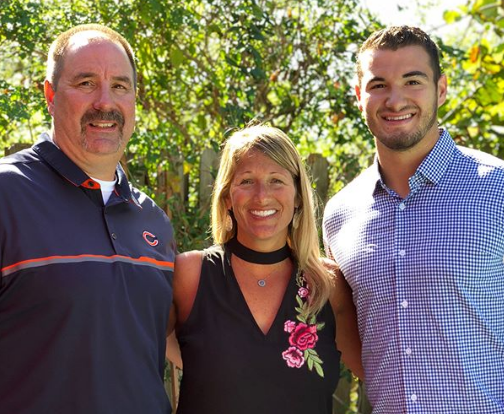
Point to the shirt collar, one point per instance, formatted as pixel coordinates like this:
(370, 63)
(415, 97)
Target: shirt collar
(58, 160)
(432, 167)
(437, 161)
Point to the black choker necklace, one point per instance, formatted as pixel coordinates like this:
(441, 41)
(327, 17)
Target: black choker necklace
(253, 256)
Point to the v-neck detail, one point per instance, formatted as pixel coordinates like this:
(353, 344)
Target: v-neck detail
(285, 299)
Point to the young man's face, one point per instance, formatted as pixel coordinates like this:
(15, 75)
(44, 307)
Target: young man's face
(399, 98)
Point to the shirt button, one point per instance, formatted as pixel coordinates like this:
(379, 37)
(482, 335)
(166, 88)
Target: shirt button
(402, 206)
(114, 236)
(404, 303)
(402, 253)
(413, 397)
(408, 351)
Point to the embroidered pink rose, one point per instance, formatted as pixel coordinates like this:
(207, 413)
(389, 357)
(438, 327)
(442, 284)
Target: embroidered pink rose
(303, 292)
(294, 357)
(304, 336)
(289, 326)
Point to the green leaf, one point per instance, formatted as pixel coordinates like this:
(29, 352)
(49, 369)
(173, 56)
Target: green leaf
(319, 370)
(176, 57)
(451, 16)
(309, 362)
(301, 318)
(316, 358)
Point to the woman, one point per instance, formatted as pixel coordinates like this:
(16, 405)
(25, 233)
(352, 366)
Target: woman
(253, 313)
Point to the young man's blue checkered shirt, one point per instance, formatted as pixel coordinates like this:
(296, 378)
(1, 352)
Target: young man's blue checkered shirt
(427, 274)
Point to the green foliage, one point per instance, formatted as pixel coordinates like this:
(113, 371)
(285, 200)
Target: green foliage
(474, 64)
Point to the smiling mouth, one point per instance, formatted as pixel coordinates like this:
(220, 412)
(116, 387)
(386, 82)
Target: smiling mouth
(263, 213)
(398, 118)
(102, 125)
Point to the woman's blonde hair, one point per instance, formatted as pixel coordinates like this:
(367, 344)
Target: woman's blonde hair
(303, 237)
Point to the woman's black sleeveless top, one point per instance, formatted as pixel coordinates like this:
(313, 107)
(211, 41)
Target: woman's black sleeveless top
(231, 367)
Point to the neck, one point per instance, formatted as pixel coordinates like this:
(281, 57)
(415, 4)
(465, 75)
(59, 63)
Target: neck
(100, 166)
(253, 256)
(397, 167)
(396, 174)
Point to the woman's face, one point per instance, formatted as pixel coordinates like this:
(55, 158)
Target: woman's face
(263, 197)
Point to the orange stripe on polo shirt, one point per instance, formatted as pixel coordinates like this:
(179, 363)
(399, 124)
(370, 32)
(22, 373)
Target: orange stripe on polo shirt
(43, 261)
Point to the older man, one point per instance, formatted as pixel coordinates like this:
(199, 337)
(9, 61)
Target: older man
(86, 260)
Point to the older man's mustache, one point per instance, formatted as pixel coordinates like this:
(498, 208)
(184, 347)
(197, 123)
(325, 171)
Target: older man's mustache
(91, 116)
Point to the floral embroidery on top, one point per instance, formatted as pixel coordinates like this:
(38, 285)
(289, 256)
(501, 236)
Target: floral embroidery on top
(303, 334)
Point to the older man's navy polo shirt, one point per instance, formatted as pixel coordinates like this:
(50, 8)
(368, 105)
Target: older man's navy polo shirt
(85, 291)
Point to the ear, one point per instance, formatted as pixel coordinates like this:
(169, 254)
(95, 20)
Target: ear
(229, 205)
(297, 201)
(49, 96)
(358, 95)
(442, 88)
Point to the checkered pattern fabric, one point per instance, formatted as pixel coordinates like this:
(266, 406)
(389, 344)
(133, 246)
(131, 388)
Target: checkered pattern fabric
(427, 274)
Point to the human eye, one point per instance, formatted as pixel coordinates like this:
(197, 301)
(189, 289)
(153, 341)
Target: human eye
(377, 86)
(85, 84)
(120, 87)
(122, 83)
(245, 181)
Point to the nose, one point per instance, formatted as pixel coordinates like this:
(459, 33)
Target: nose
(261, 191)
(103, 99)
(396, 100)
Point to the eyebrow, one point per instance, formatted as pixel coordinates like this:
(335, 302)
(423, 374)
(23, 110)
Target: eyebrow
(416, 73)
(124, 79)
(86, 75)
(405, 76)
(239, 175)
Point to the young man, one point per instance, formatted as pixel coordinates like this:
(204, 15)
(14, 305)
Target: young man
(86, 260)
(419, 237)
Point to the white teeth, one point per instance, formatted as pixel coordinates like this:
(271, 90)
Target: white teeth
(263, 213)
(103, 125)
(398, 118)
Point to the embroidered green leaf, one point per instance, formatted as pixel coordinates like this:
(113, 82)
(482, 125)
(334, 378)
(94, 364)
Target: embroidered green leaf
(315, 358)
(309, 361)
(299, 301)
(312, 360)
(313, 320)
(301, 318)
(319, 369)
(299, 278)
(320, 326)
